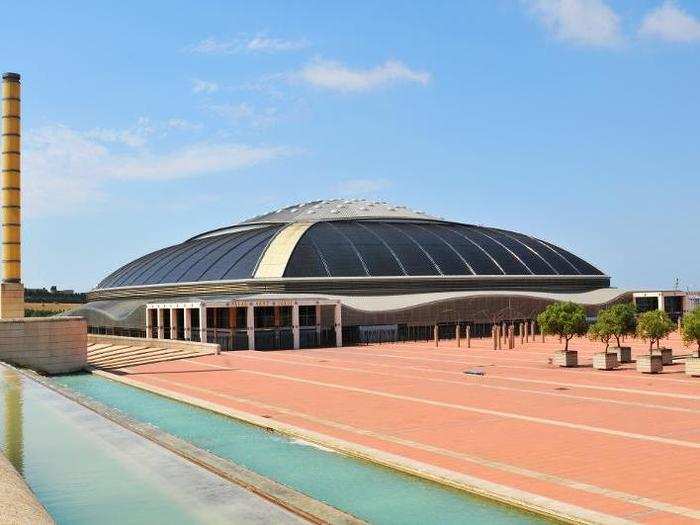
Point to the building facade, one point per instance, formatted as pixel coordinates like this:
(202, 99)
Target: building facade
(321, 272)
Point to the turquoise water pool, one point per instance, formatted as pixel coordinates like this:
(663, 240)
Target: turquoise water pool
(373, 493)
(86, 470)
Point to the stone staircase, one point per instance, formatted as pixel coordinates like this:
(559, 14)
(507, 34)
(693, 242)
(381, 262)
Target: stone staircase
(112, 352)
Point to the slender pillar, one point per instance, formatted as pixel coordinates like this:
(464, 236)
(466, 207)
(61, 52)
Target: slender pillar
(522, 329)
(660, 298)
(173, 323)
(295, 326)
(318, 324)
(499, 331)
(203, 325)
(338, 322)
(161, 324)
(494, 337)
(458, 335)
(250, 326)
(149, 323)
(11, 289)
(469, 336)
(436, 335)
(187, 324)
(532, 330)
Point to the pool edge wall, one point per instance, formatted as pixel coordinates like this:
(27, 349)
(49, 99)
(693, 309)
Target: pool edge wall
(49, 345)
(18, 504)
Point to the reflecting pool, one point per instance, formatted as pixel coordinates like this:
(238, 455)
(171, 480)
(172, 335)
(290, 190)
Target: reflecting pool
(373, 493)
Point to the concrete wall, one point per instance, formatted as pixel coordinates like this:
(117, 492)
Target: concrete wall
(18, 504)
(50, 345)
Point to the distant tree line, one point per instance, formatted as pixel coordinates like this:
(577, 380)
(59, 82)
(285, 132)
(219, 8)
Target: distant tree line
(52, 295)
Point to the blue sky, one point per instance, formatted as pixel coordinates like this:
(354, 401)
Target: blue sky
(577, 121)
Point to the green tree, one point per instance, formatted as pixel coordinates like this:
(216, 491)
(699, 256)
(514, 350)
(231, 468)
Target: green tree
(654, 326)
(690, 328)
(601, 330)
(563, 319)
(619, 319)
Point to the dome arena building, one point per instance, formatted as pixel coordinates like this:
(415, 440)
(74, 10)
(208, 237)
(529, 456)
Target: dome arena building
(327, 272)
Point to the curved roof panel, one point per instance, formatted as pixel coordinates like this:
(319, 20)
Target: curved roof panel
(394, 248)
(228, 256)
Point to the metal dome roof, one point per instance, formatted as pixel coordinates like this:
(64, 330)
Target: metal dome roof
(339, 209)
(349, 239)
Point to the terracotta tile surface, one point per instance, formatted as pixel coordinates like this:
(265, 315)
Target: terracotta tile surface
(617, 442)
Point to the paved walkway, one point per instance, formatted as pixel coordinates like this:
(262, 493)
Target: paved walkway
(615, 442)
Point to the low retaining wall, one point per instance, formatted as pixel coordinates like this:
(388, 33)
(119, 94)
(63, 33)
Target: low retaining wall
(211, 348)
(50, 345)
(18, 504)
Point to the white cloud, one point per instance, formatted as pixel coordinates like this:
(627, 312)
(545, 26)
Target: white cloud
(335, 76)
(204, 86)
(246, 44)
(134, 136)
(244, 112)
(582, 22)
(670, 23)
(66, 170)
(274, 45)
(180, 124)
(361, 187)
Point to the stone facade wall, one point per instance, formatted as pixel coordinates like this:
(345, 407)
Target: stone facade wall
(50, 345)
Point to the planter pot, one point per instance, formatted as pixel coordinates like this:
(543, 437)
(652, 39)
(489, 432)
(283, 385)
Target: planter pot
(650, 364)
(692, 366)
(666, 355)
(623, 353)
(604, 361)
(566, 358)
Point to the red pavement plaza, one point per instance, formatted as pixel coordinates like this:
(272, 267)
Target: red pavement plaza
(615, 442)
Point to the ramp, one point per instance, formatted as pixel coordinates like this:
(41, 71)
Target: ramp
(111, 352)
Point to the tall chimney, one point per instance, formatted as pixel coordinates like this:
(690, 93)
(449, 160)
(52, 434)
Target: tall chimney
(11, 289)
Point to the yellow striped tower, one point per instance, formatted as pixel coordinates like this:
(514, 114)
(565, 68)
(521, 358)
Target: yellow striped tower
(11, 289)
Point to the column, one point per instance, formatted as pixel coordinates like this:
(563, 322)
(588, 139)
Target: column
(295, 326)
(469, 336)
(149, 323)
(660, 302)
(187, 325)
(161, 326)
(250, 326)
(338, 325)
(173, 323)
(532, 330)
(203, 323)
(318, 324)
(458, 335)
(436, 335)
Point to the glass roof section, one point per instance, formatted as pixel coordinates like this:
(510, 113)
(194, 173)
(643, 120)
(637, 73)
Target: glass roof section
(391, 249)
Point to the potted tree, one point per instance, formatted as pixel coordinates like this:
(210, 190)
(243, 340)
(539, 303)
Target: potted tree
(565, 320)
(622, 320)
(603, 330)
(653, 326)
(690, 331)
